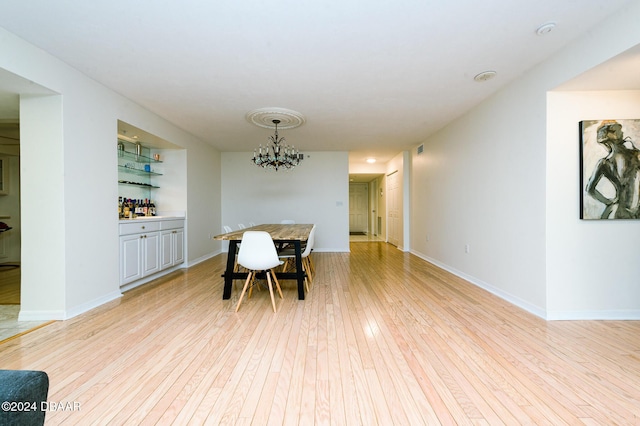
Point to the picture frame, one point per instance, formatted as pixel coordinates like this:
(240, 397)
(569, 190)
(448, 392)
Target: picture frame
(609, 169)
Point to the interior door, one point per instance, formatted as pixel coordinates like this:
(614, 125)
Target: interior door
(358, 207)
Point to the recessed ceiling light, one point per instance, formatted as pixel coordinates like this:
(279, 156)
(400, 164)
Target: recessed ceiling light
(545, 28)
(485, 75)
(371, 160)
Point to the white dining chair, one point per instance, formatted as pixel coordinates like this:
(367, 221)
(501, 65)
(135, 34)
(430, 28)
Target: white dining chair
(258, 253)
(289, 254)
(252, 224)
(241, 226)
(227, 229)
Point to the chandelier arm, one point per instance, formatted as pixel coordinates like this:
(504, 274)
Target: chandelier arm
(277, 156)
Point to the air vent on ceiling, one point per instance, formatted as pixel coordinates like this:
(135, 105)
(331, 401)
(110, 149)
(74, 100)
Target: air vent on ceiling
(420, 149)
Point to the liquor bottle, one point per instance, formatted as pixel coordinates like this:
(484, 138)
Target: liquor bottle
(125, 209)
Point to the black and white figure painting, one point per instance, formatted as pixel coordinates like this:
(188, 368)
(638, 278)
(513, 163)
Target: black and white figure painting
(610, 169)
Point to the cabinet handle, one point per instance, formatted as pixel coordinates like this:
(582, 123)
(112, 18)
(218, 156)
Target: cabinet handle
(143, 227)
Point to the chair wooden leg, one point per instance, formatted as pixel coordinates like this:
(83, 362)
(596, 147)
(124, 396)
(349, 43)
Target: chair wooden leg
(308, 268)
(273, 300)
(311, 265)
(307, 277)
(277, 283)
(244, 289)
(285, 265)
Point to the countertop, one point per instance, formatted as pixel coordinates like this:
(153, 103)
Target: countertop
(151, 218)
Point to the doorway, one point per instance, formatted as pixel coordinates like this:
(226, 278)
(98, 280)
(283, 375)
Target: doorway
(366, 207)
(358, 208)
(10, 273)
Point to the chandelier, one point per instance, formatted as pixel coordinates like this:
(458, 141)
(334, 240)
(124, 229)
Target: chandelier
(278, 155)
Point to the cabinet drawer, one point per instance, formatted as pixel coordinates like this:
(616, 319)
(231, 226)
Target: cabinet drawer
(139, 227)
(172, 224)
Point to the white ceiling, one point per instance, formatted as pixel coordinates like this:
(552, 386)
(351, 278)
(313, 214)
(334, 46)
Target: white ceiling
(371, 77)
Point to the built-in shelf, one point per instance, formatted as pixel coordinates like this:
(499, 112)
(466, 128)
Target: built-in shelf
(137, 172)
(138, 158)
(141, 185)
(135, 169)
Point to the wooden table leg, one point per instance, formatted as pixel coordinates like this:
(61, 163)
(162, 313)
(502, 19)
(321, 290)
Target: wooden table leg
(299, 270)
(228, 274)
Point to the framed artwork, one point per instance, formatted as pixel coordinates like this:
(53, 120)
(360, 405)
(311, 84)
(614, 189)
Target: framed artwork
(610, 169)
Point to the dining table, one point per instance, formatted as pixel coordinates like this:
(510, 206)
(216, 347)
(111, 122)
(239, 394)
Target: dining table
(282, 234)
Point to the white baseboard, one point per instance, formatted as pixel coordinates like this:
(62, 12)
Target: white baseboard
(41, 315)
(70, 313)
(535, 310)
(610, 315)
(332, 250)
(203, 258)
(621, 315)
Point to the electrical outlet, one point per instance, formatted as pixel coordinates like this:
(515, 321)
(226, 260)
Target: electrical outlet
(428, 237)
(467, 248)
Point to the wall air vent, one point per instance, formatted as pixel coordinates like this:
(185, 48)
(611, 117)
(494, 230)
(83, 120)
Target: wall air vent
(420, 149)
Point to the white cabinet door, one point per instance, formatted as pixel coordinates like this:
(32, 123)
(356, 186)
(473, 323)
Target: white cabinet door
(178, 246)
(130, 258)
(151, 253)
(166, 249)
(146, 248)
(172, 251)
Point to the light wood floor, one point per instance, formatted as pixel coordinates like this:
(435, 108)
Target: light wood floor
(383, 338)
(9, 285)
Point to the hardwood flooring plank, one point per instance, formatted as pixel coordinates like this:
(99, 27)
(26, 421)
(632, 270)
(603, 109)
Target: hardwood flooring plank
(382, 338)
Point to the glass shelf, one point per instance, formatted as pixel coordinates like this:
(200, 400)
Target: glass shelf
(137, 172)
(135, 157)
(135, 178)
(140, 185)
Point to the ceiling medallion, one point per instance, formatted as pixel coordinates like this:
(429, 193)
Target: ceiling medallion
(545, 28)
(484, 76)
(264, 117)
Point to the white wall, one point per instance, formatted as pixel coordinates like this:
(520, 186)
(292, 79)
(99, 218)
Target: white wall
(69, 184)
(480, 182)
(593, 266)
(317, 192)
(498, 180)
(44, 259)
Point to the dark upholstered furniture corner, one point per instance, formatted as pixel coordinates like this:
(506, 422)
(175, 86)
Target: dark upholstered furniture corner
(22, 393)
